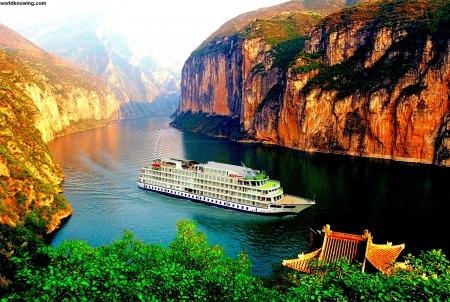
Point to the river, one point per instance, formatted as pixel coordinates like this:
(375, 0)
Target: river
(396, 201)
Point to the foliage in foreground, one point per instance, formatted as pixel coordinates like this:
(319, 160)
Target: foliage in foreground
(189, 269)
(129, 270)
(426, 278)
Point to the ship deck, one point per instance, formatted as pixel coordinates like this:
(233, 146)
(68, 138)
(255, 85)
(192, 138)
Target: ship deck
(290, 199)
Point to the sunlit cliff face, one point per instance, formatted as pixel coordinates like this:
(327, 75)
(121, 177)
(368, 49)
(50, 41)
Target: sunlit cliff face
(66, 97)
(379, 91)
(41, 97)
(404, 120)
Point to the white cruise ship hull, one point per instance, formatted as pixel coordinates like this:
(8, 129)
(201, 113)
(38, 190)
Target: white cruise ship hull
(232, 187)
(293, 205)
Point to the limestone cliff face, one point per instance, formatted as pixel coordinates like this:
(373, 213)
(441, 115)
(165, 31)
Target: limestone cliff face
(367, 83)
(74, 109)
(67, 98)
(30, 192)
(212, 89)
(214, 83)
(240, 75)
(142, 81)
(398, 106)
(41, 97)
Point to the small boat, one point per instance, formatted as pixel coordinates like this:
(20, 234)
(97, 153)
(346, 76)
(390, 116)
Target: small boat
(232, 187)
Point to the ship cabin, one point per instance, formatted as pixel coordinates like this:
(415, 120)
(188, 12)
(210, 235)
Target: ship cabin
(225, 180)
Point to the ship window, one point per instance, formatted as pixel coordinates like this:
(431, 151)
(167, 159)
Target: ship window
(275, 206)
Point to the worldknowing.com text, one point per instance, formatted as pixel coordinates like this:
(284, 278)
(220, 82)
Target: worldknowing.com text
(30, 3)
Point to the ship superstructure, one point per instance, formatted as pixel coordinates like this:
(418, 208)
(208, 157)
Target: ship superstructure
(222, 185)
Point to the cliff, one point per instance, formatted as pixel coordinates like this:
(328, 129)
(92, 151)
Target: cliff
(368, 80)
(68, 99)
(41, 96)
(231, 72)
(144, 82)
(30, 179)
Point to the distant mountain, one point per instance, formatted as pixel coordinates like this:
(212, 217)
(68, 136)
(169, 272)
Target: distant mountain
(143, 83)
(66, 97)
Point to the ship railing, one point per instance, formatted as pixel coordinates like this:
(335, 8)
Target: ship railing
(168, 164)
(302, 198)
(275, 182)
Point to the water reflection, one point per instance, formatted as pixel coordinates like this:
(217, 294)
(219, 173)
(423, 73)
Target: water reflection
(399, 202)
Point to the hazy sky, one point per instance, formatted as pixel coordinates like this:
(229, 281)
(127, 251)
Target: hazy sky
(174, 26)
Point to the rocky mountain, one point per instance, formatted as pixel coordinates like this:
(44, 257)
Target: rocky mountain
(144, 83)
(42, 96)
(369, 80)
(67, 98)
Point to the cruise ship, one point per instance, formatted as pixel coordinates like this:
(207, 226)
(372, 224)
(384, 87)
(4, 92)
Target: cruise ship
(232, 187)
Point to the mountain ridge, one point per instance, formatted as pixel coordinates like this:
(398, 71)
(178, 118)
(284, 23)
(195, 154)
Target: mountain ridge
(58, 88)
(368, 80)
(42, 97)
(137, 77)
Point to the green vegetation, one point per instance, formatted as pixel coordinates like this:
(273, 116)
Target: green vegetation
(431, 15)
(215, 125)
(4, 87)
(259, 68)
(281, 28)
(190, 269)
(9, 50)
(286, 33)
(351, 75)
(29, 191)
(285, 52)
(129, 270)
(420, 18)
(310, 61)
(226, 46)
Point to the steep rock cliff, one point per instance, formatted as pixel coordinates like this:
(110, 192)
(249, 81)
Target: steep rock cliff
(383, 88)
(371, 80)
(29, 178)
(68, 98)
(239, 75)
(143, 82)
(41, 96)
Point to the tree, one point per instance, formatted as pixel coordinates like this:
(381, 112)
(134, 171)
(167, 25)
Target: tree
(130, 270)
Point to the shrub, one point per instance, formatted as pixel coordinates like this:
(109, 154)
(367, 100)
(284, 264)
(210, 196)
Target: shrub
(130, 270)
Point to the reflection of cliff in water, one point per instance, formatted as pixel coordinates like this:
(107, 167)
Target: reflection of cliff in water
(398, 202)
(261, 237)
(395, 201)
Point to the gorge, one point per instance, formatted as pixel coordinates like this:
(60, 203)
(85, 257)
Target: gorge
(368, 80)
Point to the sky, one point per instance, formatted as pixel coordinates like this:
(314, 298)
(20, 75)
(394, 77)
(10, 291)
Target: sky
(175, 27)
